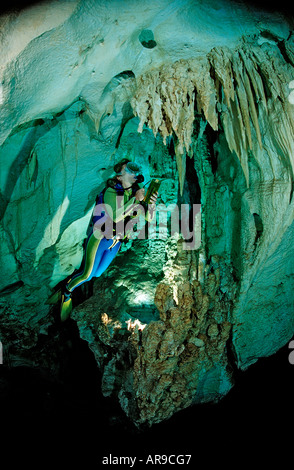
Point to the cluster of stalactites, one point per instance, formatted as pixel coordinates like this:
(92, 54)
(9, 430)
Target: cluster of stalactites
(228, 87)
(166, 98)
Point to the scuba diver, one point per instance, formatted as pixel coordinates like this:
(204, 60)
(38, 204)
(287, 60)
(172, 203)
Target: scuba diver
(103, 245)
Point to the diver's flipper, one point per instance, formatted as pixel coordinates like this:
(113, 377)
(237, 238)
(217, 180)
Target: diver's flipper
(54, 298)
(66, 308)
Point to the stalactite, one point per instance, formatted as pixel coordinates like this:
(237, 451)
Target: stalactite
(165, 100)
(244, 120)
(220, 59)
(254, 77)
(233, 87)
(206, 90)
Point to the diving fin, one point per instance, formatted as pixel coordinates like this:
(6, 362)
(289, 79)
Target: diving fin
(66, 308)
(54, 298)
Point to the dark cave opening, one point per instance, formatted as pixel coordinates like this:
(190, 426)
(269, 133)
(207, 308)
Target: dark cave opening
(69, 418)
(212, 137)
(193, 186)
(192, 197)
(146, 38)
(258, 226)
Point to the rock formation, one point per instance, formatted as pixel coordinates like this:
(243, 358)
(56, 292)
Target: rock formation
(199, 94)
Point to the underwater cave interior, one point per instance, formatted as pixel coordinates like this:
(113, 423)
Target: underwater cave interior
(182, 309)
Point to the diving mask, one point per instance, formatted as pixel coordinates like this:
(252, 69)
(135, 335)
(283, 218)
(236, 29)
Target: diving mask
(133, 168)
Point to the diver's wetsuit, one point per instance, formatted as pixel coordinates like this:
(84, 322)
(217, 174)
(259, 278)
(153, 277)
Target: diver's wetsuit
(100, 251)
(98, 256)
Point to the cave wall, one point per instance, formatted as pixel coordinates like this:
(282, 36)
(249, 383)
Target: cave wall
(199, 95)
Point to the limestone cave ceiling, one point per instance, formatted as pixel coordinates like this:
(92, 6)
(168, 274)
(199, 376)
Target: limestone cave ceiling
(200, 94)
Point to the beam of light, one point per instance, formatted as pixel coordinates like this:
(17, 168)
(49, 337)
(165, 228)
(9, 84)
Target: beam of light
(141, 298)
(135, 324)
